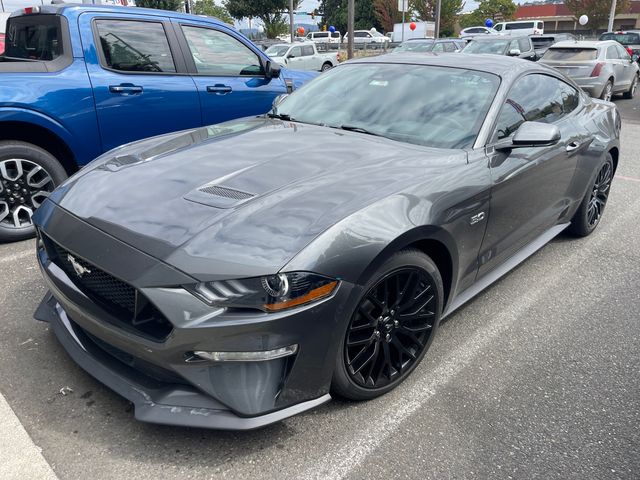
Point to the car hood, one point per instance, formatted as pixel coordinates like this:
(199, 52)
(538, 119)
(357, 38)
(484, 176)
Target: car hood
(241, 198)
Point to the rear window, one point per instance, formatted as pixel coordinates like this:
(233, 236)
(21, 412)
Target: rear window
(34, 37)
(540, 42)
(623, 38)
(573, 54)
(518, 26)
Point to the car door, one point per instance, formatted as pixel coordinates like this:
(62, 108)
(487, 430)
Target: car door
(295, 61)
(531, 186)
(613, 58)
(228, 73)
(310, 60)
(628, 68)
(138, 76)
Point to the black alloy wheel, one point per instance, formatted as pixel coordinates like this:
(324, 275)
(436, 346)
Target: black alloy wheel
(391, 328)
(590, 211)
(28, 175)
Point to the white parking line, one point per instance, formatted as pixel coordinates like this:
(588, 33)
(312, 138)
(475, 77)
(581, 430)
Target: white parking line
(21, 458)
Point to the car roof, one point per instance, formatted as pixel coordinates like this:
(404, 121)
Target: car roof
(584, 43)
(491, 38)
(501, 65)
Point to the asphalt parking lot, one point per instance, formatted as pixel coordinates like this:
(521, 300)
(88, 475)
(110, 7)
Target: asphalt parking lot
(539, 376)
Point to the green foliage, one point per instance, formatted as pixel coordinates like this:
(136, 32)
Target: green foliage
(172, 5)
(273, 13)
(210, 9)
(497, 10)
(449, 12)
(387, 13)
(335, 13)
(596, 10)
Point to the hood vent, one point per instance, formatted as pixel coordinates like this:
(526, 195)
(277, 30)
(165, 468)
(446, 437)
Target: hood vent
(218, 196)
(218, 191)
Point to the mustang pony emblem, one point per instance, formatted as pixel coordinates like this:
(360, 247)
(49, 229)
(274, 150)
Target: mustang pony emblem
(79, 269)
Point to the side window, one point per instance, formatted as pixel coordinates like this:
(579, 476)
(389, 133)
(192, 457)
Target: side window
(523, 45)
(438, 47)
(570, 98)
(449, 47)
(130, 46)
(498, 27)
(612, 52)
(296, 52)
(307, 50)
(514, 45)
(622, 53)
(310, 36)
(216, 53)
(534, 98)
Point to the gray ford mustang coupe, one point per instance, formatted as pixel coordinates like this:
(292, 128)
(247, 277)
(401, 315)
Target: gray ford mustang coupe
(232, 276)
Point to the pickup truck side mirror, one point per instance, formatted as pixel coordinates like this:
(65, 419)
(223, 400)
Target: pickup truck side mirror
(271, 69)
(291, 55)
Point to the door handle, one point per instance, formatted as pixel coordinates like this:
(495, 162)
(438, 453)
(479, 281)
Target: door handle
(573, 146)
(219, 89)
(125, 88)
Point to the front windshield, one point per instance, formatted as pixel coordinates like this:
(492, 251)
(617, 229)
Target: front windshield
(277, 50)
(496, 47)
(420, 104)
(414, 46)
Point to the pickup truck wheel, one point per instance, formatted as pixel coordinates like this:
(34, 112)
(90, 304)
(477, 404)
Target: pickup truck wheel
(326, 66)
(28, 174)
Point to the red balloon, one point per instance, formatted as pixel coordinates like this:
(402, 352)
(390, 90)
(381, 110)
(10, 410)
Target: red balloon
(301, 30)
(412, 26)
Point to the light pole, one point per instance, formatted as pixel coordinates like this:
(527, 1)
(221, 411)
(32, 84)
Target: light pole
(437, 15)
(351, 13)
(291, 19)
(612, 16)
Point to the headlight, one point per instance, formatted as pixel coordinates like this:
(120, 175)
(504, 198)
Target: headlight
(272, 293)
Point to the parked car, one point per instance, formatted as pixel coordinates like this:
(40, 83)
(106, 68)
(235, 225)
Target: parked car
(324, 37)
(3, 21)
(473, 31)
(520, 27)
(313, 252)
(368, 37)
(512, 46)
(602, 69)
(439, 45)
(76, 81)
(302, 56)
(542, 42)
(630, 40)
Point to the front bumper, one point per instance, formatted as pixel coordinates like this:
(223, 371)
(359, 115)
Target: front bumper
(154, 374)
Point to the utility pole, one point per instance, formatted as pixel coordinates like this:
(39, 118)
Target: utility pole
(437, 15)
(351, 13)
(2, 5)
(612, 16)
(291, 19)
(187, 6)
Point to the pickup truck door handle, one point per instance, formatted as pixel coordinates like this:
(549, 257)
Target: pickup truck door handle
(573, 146)
(219, 89)
(126, 88)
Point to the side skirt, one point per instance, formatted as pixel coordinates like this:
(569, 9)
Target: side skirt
(506, 267)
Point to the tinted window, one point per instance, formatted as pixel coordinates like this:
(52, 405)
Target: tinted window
(335, 35)
(498, 27)
(623, 38)
(34, 37)
(573, 54)
(321, 35)
(307, 50)
(518, 26)
(622, 53)
(612, 52)
(570, 98)
(131, 46)
(524, 45)
(535, 98)
(216, 53)
(390, 101)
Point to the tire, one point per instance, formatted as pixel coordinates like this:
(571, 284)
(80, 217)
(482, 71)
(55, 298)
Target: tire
(591, 209)
(629, 94)
(607, 91)
(377, 333)
(326, 66)
(27, 175)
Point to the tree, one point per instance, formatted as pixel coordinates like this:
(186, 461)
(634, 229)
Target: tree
(387, 13)
(335, 13)
(271, 12)
(160, 4)
(501, 10)
(449, 12)
(210, 9)
(596, 10)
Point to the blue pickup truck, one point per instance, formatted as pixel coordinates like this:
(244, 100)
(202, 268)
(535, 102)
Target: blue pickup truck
(79, 80)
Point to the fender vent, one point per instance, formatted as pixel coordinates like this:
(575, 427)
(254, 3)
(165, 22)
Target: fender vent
(224, 192)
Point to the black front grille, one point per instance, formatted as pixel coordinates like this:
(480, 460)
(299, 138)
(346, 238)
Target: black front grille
(122, 301)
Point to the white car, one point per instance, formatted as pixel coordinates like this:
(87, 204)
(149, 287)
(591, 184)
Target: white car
(369, 37)
(520, 27)
(324, 37)
(479, 30)
(302, 56)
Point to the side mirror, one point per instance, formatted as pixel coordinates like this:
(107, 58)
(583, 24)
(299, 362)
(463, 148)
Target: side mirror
(291, 55)
(278, 100)
(514, 52)
(532, 134)
(272, 69)
(634, 57)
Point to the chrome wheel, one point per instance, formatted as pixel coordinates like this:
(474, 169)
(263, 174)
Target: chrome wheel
(599, 195)
(24, 185)
(391, 328)
(607, 92)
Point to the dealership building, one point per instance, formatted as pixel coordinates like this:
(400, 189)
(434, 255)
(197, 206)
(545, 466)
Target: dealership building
(558, 18)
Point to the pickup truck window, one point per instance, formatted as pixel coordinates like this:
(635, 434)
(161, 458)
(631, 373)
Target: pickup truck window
(37, 37)
(296, 52)
(219, 54)
(307, 50)
(131, 46)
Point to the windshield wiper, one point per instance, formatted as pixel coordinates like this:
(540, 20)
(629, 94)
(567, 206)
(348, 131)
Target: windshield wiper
(280, 116)
(353, 128)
